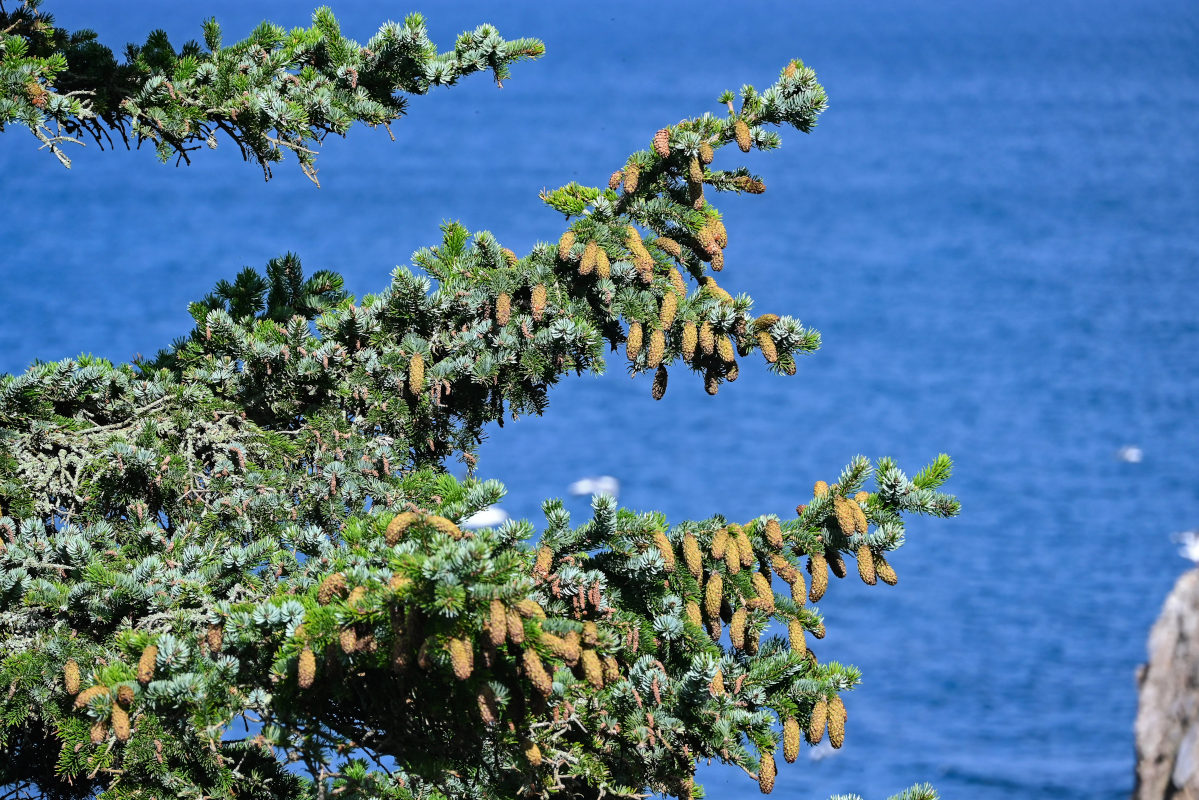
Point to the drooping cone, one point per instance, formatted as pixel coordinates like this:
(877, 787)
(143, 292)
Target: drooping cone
(670, 307)
(817, 721)
(774, 534)
(98, 732)
(516, 627)
(657, 348)
(732, 556)
(633, 345)
(565, 243)
(662, 143)
(737, 628)
(444, 525)
(783, 568)
(215, 637)
(819, 489)
(795, 635)
(509, 257)
(745, 548)
(819, 630)
(615, 180)
(462, 658)
(836, 721)
(593, 671)
(713, 594)
(306, 670)
(724, 348)
(356, 597)
(753, 640)
(146, 664)
(706, 153)
(603, 267)
(590, 635)
(766, 773)
(715, 290)
(790, 739)
(741, 134)
(120, 723)
(530, 609)
(125, 695)
(695, 172)
(537, 302)
(844, 514)
(611, 669)
(677, 283)
(545, 560)
(885, 570)
(536, 673)
(89, 694)
(498, 623)
(632, 173)
(861, 497)
(866, 568)
(696, 193)
(690, 339)
(716, 687)
(799, 589)
(489, 707)
(749, 185)
(532, 753)
(835, 562)
(348, 639)
(658, 390)
(395, 531)
(712, 381)
(692, 610)
(719, 232)
(765, 595)
(818, 569)
(707, 339)
(70, 676)
(766, 344)
(503, 308)
(663, 545)
(669, 245)
(861, 524)
(416, 374)
(788, 365)
(692, 556)
(587, 262)
(765, 321)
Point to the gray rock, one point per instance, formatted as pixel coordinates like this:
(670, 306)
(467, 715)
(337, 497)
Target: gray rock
(1167, 726)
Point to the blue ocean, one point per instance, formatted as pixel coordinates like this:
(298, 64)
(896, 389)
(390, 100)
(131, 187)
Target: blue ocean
(995, 226)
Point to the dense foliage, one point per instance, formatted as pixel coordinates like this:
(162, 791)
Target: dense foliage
(239, 569)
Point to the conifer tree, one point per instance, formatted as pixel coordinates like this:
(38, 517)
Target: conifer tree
(238, 569)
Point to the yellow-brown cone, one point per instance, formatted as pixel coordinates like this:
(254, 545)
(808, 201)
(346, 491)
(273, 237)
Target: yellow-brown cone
(774, 534)
(125, 695)
(565, 243)
(503, 308)
(537, 302)
(498, 623)
(691, 608)
(706, 154)
(356, 597)
(516, 627)
(819, 630)
(766, 773)
(799, 589)
(765, 595)
(707, 339)
(742, 135)
(817, 721)
(669, 245)
(713, 594)
(866, 568)
(744, 547)
(724, 348)
(70, 676)
(885, 570)
(690, 339)
(790, 739)
(120, 723)
(509, 257)
(416, 374)
(615, 180)
(712, 381)
(737, 629)
(657, 348)
(663, 545)
(836, 721)
(489, 707)
(395, 531)
(603, 267)
(146, 664)
(716, 687)
(861, 497)
(462, 658)
(444, 525)
(720, 233)
(215, 637)
(765, 321)
(836, 563)
(797, 638)
(769, 351)
(633, 345)
(670, 307)
(348, 639)
(662, 143)
(543, 562)
(530, 609)
(658, 390)
(611, 669)
(861, 524)
(692, 556)
(695, 172)
(820, 489)
(536, 673)
(98, 732)
(89, 694)
(592, 670)
(587, 262)
(732, 556)
(590, 635)
(532, 753)
(716, 291)
(818, 569)
(783, 567)
(632, 173)
(306, 670)
(844, 515)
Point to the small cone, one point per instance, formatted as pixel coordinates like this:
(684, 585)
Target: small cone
(774, 534)
(356, 597)
(532, 753)
(662, 143)
(611, 669)
(631, 174)
(695, 172)
(537, 302)
(820, 489)
(509, 257)
(89, 694)
(706, 154)
(590, 635)
(215, 638)
(98, 732)
(306, 670)
(125, 695)
(732, 557)
(536, 673)
(690, 339)
(835, 562)
(766, 773)
(744, 546)
(120, 723)
(765, 595)
(818, 569)
(783, 567)
(766, 344)
(797, 638)
(587, 262)
(737, 629)
(633, 345)
(885, 570)
(716, 291)
(348, 639)
(543, 562)
(565, 243)
(416, 374)
(817, 721)
(711, 382)
(692, 556)
(70, 676)
(657, 348)
(844, 514)
(707, 339)
(713, 594)
(765, 321)
(146, 664)
(861, 524)
(866, 569)
(498, 623)
(669, 245)
(861, 497)
(724, 348)
(516, 627)
(790, 739)
(658, 390)
(716, 687)
(720, 233)
(799, 589)
(742, 135)
(462, 658)
(592, 670)
(603, 267)
(530, 609)
(444, 525)
(670, 307)
(664, 546)
(503, 308)
(691, 608)
(395, 531)
(819, 630)
(489, 707)
(836, 721)
(615, 180)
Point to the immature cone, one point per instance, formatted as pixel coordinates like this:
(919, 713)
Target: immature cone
(774, 534)
(615, 180)
(590, 635)
(88, 694)
(587, 262)
(669, 245)
(503, 308)
(98, 732)
(444, 525)
(633, 345)
(215, 637)
(306, 671)
(692, 556)
(861, 497)
(885, 570)
(716, 291)
(713, 594)
(835, 562)
(537, 302)
(795, 635)
(489, 707)
(741, 134)
(790, 739)
(769, 351)
(766, 773)
(120, 723)
(462, 658)
(818, 569)
(788, 365)
(744, 546)
(670, 307)
(836, 721)
(603, 267)
(844, 515)
(416, 374)
(691, 608)
(657, 348)
(663, 545)
(536, 673)
(817, 721)
(509, 257)
(719, 233)
(707, 339)
(571, 650)
(861, 524)
(145, 664)
(530, 609)
(706, 153)
(724, 348)
(70, 676)
(532, 753)
(356, 597)
(696, 193)
(819, 630)
(690, 339)
(565, 243)
(631, 173)
(662, 142)
(516, 627)
(611, 669)
(866, 569)
(695, 173)
(348, 639)
(765, 321)
(395, 530)
(799, 589)
(716, 687)
(592, 670)
(658, 390)
(783, 567)
(819, 489)
(498, 623)
(125, 695)
(737, 628)
(749, 185)
(545, 560)
(732, 556)
(765, 595)
(711, 381)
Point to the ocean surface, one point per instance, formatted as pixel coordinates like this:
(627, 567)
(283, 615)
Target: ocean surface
(995, 226)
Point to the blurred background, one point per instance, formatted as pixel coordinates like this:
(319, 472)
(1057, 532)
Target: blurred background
(994, 226)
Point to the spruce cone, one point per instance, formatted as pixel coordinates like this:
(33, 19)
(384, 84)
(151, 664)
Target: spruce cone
(677, 283)
(714, 629)
(724, 348)
(788, 365)
(795, 634)
(462, 658)
(713, 594)
(125, 695)
(799, 591)
(692, 556)
(765, 321)
(592, 670)
(861, 497)
(866, 568)
(348, 639)
(719, 233)
(670, 307)
(844, 515)
(306, 671)
(416, 374)
(711, 381)
(530, 609)
(752, 641)
(692, 610)
(489, 707)
(819, 630)
(395, 530)
(716, 291)
(98, 732)
(631, 174)
(835, 562)
(885, 570)
(769, 351)
(498, 623)
(573, 651)
(696, 193)
(615, 180)
(532, 753)
(774, 534)
(690, 339)
(587, 262)
(716, 687)
(765, 595)
(790, 739)
(749, 185)
(817, 721)
(503, 308)
(669, 245)
(70, 676)
(819, 489)
(603, 267)
(737, 629)
(861, 524)
(783, 568)
(509, 257)
(88, 694)
(516, 627)
(120, 723)
(356, 597)
(742, 135)
(633, 345)
(146, 664)
(662, 142)
(658, 390)
(565, 243)
(664, 546)
(215, 638)
(590, 635)
(706, 153)
(536, 673)
(732, 556)
(657, 348)
(836, 721)
(766, 773)
(444, 525)
(818, 569)
(718, 261)
(744, 546)
(695, 173)
(543, 562)
(537, 301)
(707, 339)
